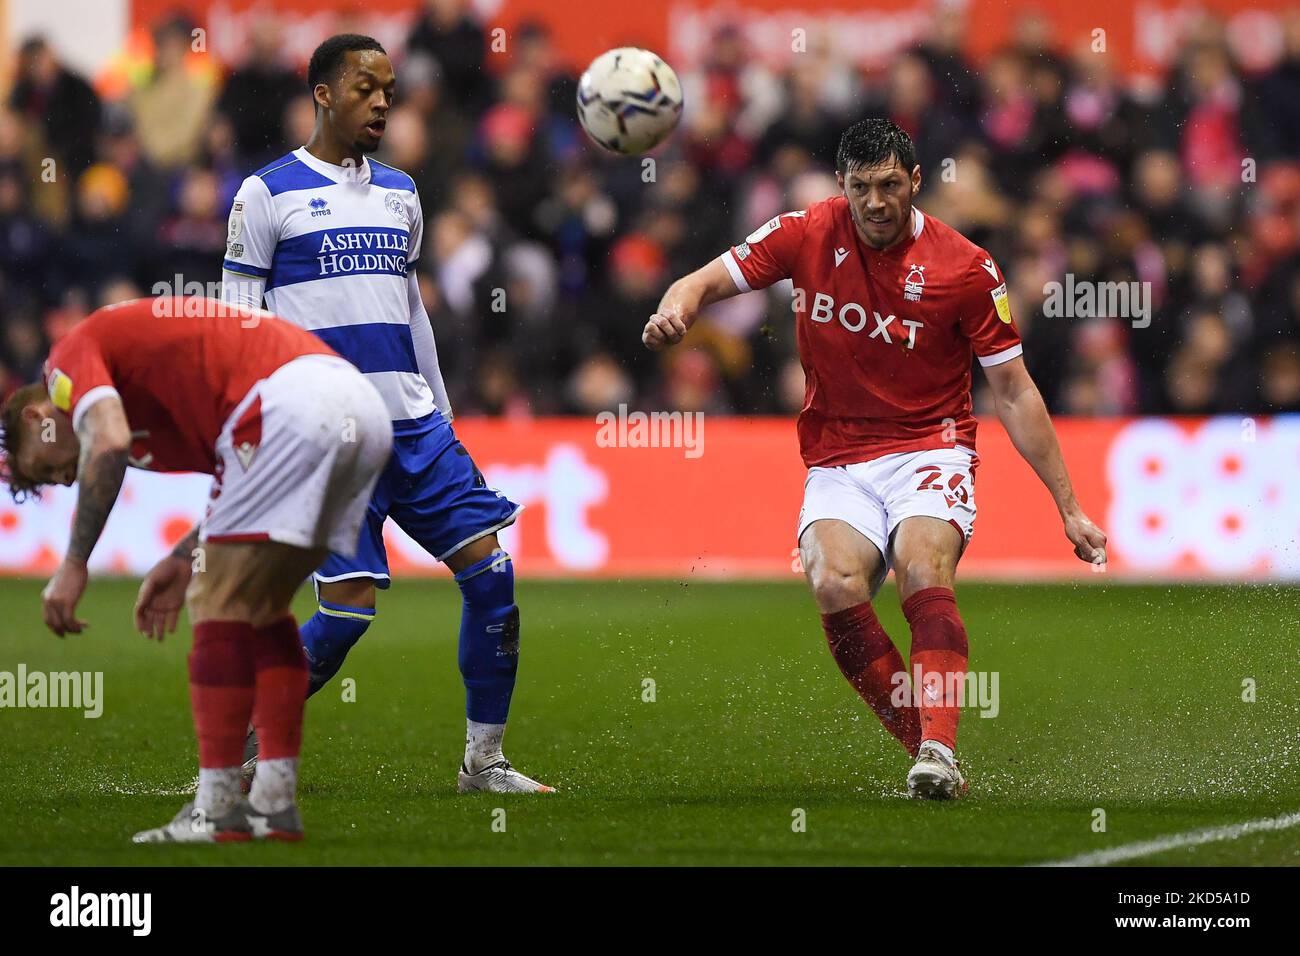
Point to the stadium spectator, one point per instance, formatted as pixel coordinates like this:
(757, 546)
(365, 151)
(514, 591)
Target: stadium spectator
(257, 94)
(171, 109)
(446, 32)
(1060, 165)
(64, 104)
(191, 242)
(27, 245)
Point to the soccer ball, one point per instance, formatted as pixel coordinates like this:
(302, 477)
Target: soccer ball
(629, 100)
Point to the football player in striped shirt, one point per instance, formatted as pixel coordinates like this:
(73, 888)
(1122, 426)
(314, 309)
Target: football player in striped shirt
(329, 238)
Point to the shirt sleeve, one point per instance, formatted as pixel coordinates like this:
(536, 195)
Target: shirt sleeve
(426, 349)
(986, 313)
(417, 230)
(768, 253)
(77, 377)
(251, 237)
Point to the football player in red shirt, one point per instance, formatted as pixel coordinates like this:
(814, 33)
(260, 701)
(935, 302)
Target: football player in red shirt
(295, 439)
(891, 307)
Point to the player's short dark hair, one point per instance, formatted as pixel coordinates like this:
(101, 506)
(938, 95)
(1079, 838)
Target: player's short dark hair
(11, 440)
(872, 142)
(327, 59)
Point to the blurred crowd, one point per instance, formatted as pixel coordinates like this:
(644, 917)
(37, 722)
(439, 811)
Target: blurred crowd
(543, 257)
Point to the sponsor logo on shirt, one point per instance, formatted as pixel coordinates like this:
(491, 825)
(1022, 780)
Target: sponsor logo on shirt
(770, 226)
(235, 227)
(1001, 303)
(60, 388)
(742, 251)
(853, 317)
(318, 207)
(840, 255)
(363, 252)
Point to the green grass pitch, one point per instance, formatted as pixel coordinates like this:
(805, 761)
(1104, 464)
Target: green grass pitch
(1121, 698)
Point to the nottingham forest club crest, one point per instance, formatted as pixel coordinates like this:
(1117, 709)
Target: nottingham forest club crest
(914, 283)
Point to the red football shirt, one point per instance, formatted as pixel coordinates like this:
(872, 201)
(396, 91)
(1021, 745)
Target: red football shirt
(886, 339)
(179, 376)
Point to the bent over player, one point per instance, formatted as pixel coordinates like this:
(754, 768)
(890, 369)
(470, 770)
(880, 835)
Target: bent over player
(295, 439)
(890, 306)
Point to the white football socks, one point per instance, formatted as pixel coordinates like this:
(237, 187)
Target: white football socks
(218, 790)
(483, 745)
(275, 785)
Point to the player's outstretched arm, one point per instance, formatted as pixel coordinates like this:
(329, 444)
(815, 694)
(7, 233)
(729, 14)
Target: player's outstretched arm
(1023, 414)
(105, 440)
(681, 304)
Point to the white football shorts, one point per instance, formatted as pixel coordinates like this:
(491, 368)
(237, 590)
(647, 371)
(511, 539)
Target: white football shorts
(299, 457)
(875, 496)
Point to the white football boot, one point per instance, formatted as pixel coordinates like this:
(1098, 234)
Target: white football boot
(500, 777)
(241, 824)
(285, 826)
(934, 776)
(192, 825)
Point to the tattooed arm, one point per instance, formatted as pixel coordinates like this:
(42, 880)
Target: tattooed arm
(185, 546)
(105, 439)
(105, 449)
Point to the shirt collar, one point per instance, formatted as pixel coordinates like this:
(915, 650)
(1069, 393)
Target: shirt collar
(339, 174)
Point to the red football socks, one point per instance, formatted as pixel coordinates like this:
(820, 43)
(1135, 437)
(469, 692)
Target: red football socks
(871, 663)
(237, 674)
(221, 690)
(281, 689)
(939, 649)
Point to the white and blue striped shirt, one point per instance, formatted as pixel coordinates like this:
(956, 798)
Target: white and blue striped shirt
(333, 250)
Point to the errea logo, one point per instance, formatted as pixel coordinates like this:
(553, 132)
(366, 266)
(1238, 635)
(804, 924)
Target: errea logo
(318, 206)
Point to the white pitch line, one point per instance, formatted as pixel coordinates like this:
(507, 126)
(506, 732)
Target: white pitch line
(1132, 851)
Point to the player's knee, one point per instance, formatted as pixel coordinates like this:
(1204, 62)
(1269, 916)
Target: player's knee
(350, 592)
(837, 586)
(923, 571)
